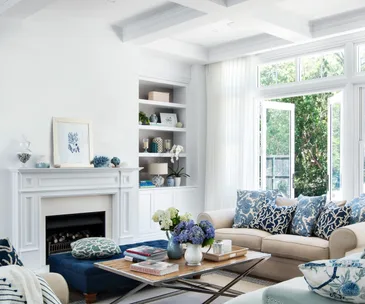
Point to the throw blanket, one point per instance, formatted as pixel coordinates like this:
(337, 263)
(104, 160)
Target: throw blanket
(20, 285)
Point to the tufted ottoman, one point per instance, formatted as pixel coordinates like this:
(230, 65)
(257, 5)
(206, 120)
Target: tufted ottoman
(81, 275)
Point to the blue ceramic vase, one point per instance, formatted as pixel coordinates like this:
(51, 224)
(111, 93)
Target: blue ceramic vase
(174, 251)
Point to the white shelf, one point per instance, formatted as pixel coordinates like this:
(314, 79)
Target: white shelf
(164, 188)
(162, 104)
(142, 154)
(161, 128)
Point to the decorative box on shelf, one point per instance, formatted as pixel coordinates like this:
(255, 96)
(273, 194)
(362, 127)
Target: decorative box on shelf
(159, 96)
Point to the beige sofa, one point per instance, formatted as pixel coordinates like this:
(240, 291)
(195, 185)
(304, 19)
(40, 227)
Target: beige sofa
(287, 251)
(58, 285)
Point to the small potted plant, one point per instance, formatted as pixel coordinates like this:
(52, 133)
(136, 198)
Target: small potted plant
(143, 119)
(177, 175)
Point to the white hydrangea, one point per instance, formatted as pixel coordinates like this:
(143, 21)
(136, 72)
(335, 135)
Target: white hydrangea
(165, 223)
(186, 217)
(158, 216)
(173, 212)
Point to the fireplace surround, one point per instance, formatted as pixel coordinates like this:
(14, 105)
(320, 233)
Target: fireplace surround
(41, 193)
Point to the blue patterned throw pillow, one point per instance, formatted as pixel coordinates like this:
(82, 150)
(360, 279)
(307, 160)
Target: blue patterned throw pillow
(249, 203)
(341, 280)
(306, 214)
(8, 255)
(274, 219)
(332, 218)
(358, 209)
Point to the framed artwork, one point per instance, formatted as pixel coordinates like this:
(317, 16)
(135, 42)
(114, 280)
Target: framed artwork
(72, 142)
(168, 119)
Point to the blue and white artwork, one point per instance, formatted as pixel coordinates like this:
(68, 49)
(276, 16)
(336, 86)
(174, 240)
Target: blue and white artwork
(73, 142)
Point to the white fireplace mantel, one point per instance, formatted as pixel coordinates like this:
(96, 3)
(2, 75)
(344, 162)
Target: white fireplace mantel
(32, 187)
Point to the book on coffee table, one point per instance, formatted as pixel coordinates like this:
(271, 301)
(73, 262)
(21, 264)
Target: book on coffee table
(155, 267)
(147, 251)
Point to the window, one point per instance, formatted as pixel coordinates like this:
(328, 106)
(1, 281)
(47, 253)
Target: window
(322, 65)
(361, 58)
(277, 73)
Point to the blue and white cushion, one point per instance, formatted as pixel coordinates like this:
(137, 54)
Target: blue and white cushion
(330, 219)
(274, 219)
(49, 297)
(306, 214)
(358, 209)
(342, 280)
(249, 203)
(8, 255)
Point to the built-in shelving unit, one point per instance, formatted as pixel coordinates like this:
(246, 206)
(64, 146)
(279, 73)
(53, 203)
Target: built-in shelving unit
(178, 136)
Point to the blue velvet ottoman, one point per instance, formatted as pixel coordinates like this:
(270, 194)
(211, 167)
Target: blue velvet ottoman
(81, 275)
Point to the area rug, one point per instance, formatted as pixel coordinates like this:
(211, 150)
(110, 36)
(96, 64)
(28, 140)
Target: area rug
(220, 278)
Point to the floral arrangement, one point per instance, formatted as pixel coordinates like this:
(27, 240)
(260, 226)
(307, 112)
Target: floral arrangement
(170, 218)
(175, 151)
(100, 161)
(197, 234)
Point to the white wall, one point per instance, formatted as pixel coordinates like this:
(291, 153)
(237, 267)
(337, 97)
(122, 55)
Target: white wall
(70, 68)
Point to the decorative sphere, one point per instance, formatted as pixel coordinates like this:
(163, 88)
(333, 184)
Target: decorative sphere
(179, 125)
(115, 161)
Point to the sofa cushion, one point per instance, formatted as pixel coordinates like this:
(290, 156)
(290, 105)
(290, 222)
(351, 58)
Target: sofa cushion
(249, 203)
(8, 255)
(306, 214)
(296, 247)
(358, 209)
(274, 219)
(342, 280)
(251, 238)
(330, 219)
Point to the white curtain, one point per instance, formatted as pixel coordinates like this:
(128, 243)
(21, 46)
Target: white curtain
(232, 160)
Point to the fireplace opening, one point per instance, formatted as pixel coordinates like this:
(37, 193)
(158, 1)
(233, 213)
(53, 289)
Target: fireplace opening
(62, 230)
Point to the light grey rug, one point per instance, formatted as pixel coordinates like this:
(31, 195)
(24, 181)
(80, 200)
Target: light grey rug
(220, 278)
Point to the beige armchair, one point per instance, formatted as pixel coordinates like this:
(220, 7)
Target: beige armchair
(58, 285)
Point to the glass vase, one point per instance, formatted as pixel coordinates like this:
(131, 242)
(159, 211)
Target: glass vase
(24, 153)
(174, 251)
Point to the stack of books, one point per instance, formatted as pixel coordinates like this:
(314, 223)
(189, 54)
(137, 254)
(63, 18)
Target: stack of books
(155, 267)
(144, 253)
(146, 184)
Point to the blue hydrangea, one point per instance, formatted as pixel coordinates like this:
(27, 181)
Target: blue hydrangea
(101, 161)
(208, 229)
(189, 232)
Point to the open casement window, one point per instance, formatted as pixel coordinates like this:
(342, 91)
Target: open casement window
(334, 147)
(277, 149)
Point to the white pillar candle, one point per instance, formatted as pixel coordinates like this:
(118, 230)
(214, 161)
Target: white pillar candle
(227, 246)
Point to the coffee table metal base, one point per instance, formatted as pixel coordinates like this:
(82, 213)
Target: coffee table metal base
(190, 285)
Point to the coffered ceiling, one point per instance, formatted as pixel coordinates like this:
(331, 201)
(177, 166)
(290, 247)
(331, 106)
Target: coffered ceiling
(205, 30)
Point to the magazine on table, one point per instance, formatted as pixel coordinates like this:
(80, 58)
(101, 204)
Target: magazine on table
(155, 267)
(146, 250)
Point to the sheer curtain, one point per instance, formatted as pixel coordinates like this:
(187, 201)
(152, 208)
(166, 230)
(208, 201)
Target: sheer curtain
(232, 160)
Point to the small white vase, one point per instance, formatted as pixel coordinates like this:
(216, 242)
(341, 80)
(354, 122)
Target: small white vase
(177, 181)
(193, 255)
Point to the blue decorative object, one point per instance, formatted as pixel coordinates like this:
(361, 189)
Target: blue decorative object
(342, 280)
(358, 209)
(115, 161)
(274, 219)
(249, 203)
(170, 181)
(154, 147)
(174, 250)
(306, 214)
(101, 161)
(153, 119)
(332, 218)
(8, 255)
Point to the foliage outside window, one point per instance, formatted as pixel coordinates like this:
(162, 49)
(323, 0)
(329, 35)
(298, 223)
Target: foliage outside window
(322, 65)
(277, 73)
(361, 56)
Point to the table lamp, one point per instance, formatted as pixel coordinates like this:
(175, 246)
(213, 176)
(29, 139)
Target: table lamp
(158, 169)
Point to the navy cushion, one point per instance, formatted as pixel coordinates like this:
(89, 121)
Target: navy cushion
(8, 255)
(82, 275)
(274, 219)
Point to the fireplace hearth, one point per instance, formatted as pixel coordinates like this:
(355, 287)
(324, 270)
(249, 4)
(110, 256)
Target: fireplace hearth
(62, 230)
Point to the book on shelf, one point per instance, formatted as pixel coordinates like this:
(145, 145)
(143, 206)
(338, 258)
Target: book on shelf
(159, 257)
(155, 267)
(147, 250)
(146, 184)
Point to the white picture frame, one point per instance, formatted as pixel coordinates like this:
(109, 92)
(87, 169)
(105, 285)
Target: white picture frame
(72, 143)
(168, 119)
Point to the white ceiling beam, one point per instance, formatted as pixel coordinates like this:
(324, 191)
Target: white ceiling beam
(205, 6)
(158, 24)
(182, 50)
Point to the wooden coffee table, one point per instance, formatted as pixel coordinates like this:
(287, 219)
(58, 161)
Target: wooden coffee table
(182, 281)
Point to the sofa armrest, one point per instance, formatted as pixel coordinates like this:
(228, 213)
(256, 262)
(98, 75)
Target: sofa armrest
(346, 239)
(219, 218)
(58, 285)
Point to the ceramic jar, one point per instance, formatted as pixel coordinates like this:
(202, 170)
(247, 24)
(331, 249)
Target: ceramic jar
(193, 255)
(159, 142)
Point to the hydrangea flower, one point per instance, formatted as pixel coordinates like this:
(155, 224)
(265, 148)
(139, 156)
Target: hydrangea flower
(186, 217)
(208, 229)
(189, 232)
